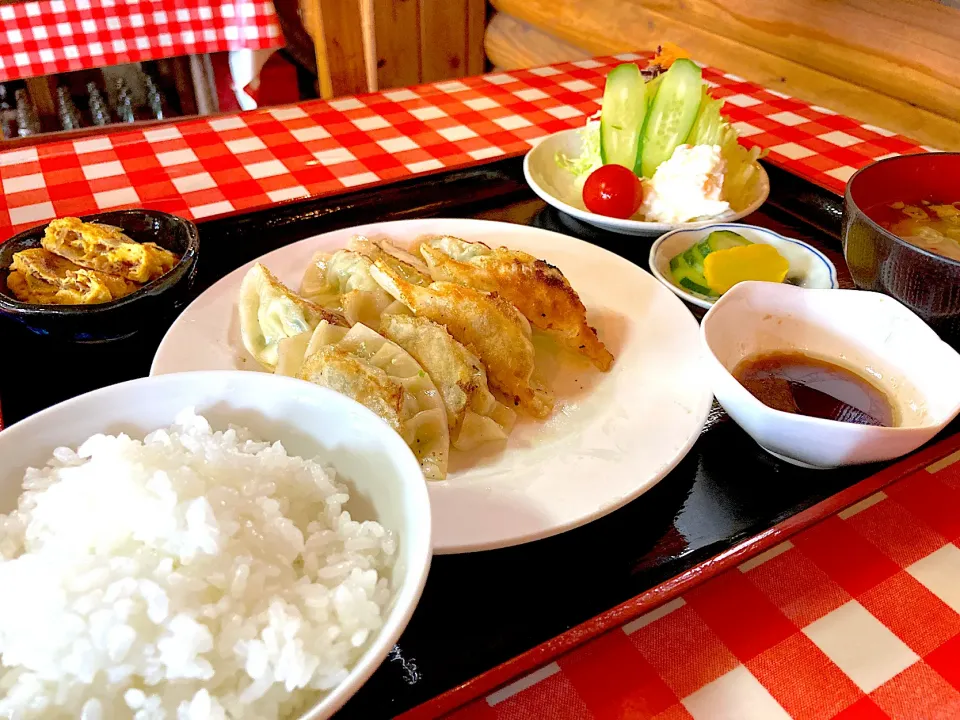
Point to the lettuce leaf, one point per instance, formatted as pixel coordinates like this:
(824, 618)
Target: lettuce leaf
(711, 128)
(589, 158)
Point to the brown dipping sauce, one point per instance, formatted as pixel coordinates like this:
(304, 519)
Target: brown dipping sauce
(797, 383)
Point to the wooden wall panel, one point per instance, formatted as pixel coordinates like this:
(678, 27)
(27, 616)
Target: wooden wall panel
(379, 44)
(398, 42)
(443, 39)
(337, 32)
(476, 22)
(908, 49)
(608, 26)
(512, 43)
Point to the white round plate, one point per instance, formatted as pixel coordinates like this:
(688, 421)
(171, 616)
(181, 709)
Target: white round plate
(809, 268)
(558, 187)
(612, 436)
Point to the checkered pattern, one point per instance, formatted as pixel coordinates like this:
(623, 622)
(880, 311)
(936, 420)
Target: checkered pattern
(204, 168)
(856, 617)
(54, 36)
(811, 141)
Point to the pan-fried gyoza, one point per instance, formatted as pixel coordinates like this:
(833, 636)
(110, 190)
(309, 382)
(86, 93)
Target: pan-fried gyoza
(536, 288)
(440, 348)
(486, 323)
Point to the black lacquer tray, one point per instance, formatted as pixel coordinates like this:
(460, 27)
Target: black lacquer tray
(480, 610)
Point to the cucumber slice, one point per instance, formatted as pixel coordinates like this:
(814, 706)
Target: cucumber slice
(652, 88)
(719, 240)
(688, 275)
(692, 258)
(693, 286)
(621, 118)
(725, 239)
(671, 114)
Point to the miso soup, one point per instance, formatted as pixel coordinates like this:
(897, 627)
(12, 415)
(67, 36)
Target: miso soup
(932, 226)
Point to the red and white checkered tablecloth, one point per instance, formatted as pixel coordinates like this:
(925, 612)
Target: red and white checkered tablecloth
(203, 168)
(54, 36)
(854, 618)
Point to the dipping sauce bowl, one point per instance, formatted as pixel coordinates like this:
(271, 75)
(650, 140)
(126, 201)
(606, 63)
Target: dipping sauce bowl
(869, 333)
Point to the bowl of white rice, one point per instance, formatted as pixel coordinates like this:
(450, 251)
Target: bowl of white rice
(204, 545)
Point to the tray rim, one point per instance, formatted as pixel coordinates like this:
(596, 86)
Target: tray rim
(468, 192)
(659, 595)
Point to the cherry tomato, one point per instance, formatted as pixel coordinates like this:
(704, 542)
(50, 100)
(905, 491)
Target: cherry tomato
(612, 190)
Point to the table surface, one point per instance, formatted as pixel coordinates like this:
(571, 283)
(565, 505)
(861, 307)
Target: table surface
(42, 37)
(855, 616)
(482, 609)
(209, 167)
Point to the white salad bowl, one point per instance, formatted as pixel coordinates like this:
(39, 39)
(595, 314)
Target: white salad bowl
(558, 187)
(869, 333)
(384, 477)
(809, 268)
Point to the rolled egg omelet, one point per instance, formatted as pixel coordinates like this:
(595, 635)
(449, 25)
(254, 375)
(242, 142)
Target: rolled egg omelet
(106, 249)
(39, 276)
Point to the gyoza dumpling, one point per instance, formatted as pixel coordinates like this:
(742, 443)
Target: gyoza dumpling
(383, 377)
(473, 413)
(270, 312)
(536, 288)
(407, 266)
(290, 354)
(487, 324)
(341, 282)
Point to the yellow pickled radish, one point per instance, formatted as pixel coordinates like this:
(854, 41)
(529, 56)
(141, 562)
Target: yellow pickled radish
(725, 268)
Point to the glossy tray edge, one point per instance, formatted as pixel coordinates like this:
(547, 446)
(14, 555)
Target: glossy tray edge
(491, 184)
(630, 610)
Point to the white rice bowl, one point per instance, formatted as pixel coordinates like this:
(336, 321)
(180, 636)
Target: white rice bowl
(194, 574)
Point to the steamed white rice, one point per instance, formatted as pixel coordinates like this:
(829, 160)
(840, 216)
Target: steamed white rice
(194, 574)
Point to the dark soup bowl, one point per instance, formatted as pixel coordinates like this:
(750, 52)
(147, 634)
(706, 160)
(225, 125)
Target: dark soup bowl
(119, 318)
(925, 281)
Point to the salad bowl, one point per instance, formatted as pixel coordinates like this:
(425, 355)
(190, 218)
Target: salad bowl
(559, 187)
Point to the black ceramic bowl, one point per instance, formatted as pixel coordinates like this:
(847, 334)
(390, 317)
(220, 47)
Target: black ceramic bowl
(927, 283)
(119, 318)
